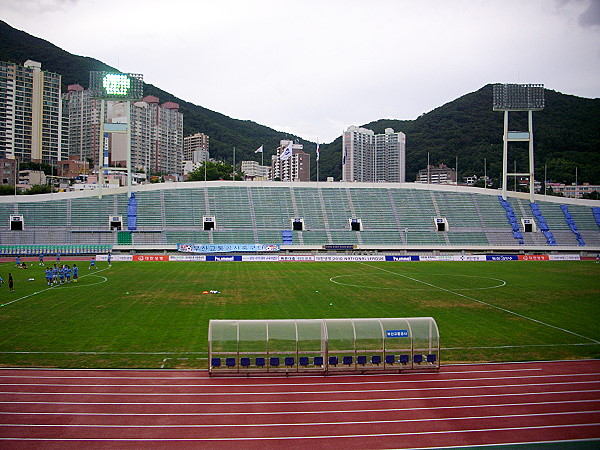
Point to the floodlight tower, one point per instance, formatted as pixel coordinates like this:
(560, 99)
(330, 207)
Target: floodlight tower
(518, 97)
(120, 87)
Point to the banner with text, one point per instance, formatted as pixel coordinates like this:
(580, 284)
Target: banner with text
(226, 248)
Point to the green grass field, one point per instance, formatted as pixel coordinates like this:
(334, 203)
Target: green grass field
(154, 314)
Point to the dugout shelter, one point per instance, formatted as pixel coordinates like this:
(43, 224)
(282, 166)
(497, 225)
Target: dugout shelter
(243, 347)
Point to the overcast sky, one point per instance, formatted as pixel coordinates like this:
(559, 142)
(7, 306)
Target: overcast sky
(315, 67)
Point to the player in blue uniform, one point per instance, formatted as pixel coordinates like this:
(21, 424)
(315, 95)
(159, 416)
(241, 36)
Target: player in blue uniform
(75, 273)
(92, 264)
(61, 274)
(49, 276)
(68, 273)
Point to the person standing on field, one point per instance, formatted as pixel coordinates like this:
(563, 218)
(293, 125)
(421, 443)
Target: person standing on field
(10, 283)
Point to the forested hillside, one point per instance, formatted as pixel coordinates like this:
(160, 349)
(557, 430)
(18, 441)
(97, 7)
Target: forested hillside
(566, 132)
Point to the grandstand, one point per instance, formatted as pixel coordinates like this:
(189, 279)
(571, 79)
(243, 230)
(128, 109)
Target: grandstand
(392, 217)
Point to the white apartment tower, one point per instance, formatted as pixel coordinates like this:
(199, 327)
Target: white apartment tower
(372, 158)
(32, 115)
(195, 148)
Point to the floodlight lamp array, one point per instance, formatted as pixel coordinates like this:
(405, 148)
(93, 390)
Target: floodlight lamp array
(116, 86)
(518, 97)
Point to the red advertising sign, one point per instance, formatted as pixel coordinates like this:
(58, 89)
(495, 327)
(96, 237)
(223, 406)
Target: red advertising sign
(150, 257)
(534, 258)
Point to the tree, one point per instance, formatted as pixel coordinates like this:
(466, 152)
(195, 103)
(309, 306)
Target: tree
(214, 171)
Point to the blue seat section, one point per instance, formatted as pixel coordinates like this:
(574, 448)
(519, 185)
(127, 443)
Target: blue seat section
(244, 362)
(333, 360)
(286, 237)
(215, 362)
(347, 360)
(260, 362)
(289, 361)
(512, 220)
(318, 361)
(303, 361)
(274, 361)
(572, 225)
(418, 359)
(596, 212)
(431, 358)
(230, 362)
(390, 359)
(375, 359)
(404, 359)
(542, 224)
(361, 359)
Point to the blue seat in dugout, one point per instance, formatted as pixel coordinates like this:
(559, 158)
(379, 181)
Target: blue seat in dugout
(375, 359)
(404, 359)
(333, 360)
(318, 361)
(289, 361)
(303, 361)
(215, 362)
(274, 361)
(362, 360)
(418, 359)
(390, 359)
(244, 362)
(230, 362)
(260, 362)
(347, 360)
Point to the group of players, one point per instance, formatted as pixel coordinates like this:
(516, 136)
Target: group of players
(62, 274)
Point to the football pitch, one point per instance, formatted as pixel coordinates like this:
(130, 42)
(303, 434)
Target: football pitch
(155, 314)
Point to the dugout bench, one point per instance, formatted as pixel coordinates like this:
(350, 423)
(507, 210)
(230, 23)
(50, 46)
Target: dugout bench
(323, 346)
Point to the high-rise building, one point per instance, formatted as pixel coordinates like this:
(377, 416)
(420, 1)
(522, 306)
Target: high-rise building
(254, 171)
(31, 111)
(370, 157)
(156, 135)
(195, 148)
(156, 132)
(84, 123)
(294, 168)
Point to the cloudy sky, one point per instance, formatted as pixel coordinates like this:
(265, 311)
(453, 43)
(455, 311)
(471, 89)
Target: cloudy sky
(315, 67)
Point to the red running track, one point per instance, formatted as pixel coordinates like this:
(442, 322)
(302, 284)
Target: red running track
(462, 405)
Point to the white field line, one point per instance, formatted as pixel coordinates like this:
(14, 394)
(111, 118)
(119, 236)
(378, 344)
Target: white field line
(484, 303)
(53, 287)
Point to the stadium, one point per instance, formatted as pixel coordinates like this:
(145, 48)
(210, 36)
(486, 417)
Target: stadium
(241, 278)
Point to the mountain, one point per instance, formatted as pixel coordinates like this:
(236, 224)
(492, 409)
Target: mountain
(566, 136)
(566, 132)
(225, 132)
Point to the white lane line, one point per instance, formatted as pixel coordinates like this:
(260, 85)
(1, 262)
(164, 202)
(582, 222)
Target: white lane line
(359, 383)
(484, 303)
(270, 412)
(296, 402)
(271, 438)
(300, 424)
(286, 393)
(245, 381)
